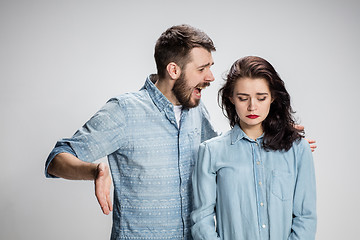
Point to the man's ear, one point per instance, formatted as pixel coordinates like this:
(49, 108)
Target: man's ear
(173, 70)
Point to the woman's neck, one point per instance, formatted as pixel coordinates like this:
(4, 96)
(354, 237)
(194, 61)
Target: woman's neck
(252, 132)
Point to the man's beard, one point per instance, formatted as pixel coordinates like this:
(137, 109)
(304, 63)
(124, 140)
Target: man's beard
(183, 92)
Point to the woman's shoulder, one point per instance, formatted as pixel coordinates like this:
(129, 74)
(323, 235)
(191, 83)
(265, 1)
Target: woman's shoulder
(301, 145)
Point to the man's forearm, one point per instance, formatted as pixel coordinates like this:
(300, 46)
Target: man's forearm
(66, 165)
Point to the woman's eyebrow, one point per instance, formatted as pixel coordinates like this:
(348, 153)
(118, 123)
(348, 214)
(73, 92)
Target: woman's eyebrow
(245, 94)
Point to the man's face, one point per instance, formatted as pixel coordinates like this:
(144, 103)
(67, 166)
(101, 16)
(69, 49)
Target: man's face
(195, 76)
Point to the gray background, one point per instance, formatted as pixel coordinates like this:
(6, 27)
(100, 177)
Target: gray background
(61, 60)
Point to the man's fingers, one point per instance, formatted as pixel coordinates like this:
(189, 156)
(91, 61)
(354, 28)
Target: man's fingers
(313, 147)
(108, 205)
(299, 127)
(109, 202)
(104, 203)
(102, 188)
(105, 209)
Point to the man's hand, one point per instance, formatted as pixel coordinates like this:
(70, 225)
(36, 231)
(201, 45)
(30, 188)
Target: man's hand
(102, 187)
(312, 144)
(310, 141)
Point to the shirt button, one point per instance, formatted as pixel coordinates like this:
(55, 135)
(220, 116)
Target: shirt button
(257, 162)
(263, 226)
(260, 183)
(261, 204)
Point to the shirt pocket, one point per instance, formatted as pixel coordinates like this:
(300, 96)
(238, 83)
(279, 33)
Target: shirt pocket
(282, 185)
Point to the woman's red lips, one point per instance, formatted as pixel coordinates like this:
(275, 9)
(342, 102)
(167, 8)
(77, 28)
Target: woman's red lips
(252, 116)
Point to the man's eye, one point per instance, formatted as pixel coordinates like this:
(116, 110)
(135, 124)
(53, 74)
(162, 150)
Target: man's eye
(242, 99)
(262, 99)
(201, 69)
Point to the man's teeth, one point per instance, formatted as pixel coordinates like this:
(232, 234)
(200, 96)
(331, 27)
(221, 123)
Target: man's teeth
(198, 91)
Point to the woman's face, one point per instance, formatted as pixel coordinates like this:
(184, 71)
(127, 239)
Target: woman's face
(252, 99)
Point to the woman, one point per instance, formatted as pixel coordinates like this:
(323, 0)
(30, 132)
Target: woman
(258, 179)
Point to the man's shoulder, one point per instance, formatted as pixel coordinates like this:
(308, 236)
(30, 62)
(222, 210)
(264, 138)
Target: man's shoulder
(131, 97)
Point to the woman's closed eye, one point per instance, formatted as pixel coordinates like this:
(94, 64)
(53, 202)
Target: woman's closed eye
(262, 99)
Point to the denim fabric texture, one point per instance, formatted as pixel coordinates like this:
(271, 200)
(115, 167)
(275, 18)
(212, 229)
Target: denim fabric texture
(257, 194)
(151, 161)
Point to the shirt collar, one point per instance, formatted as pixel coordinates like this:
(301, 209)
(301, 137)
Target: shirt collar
(157, 97)
(237, 134)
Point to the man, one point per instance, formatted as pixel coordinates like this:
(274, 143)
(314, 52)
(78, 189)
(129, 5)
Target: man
(151, 138)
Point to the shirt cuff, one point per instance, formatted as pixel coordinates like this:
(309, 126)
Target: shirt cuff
(60, 147)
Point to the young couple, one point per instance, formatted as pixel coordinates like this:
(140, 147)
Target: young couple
(257, 179)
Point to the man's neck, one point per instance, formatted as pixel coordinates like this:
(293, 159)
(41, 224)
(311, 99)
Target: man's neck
(165, 87)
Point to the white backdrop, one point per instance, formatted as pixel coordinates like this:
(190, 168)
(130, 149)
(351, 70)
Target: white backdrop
(61, 60)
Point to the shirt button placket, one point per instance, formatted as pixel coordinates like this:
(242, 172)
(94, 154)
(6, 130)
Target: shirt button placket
(260, 174)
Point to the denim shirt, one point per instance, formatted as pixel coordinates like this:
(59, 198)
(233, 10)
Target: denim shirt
(151, 161)
(257, 194)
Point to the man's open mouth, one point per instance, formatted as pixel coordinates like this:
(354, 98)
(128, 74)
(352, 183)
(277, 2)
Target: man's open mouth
(197, 91)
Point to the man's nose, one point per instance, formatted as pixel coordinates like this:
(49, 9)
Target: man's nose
(210, 77)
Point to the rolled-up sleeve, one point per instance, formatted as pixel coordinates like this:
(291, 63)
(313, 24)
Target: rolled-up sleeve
(103, 134)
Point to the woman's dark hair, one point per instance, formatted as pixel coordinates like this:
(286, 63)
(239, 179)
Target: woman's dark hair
(279, 130)
(175, 44)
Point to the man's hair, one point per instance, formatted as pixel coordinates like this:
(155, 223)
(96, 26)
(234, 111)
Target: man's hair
(279, 131)
(175, 44)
